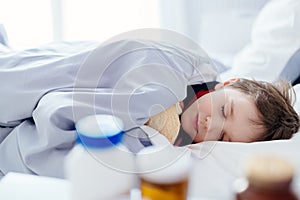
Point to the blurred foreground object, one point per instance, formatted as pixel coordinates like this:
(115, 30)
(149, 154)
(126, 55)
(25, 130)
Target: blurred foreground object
(164, 172)
(99, 166)
(268, 177)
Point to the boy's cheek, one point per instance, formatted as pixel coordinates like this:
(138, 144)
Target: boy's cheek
(204, 106)
(184, 121)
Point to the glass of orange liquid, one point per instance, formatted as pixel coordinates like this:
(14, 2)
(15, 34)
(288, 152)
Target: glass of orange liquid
(164, 172)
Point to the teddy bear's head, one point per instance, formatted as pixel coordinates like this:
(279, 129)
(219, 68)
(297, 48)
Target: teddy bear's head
(167, 122)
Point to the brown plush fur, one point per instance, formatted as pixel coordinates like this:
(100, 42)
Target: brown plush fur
(167, 123)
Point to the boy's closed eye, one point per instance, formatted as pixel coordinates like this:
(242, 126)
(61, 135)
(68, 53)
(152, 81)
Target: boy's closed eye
(223, 111)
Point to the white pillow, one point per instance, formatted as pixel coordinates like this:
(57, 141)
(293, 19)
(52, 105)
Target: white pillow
(219, 164)
(274, 40)
(297, 100)
(297, 107)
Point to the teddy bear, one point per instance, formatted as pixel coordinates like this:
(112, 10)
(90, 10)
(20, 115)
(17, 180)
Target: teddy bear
(167, 122)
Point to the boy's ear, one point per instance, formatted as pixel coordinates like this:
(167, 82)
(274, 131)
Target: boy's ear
(221, 85)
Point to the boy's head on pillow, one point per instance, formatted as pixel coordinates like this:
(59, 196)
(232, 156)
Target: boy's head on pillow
(242, 110)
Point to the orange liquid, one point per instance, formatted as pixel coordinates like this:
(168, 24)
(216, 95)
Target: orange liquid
(158, 191)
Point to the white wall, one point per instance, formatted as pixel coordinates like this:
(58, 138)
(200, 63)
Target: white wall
(103, 19)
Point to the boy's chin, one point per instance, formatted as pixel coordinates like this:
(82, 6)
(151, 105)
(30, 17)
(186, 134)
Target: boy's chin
(202, 137)
(197, 138)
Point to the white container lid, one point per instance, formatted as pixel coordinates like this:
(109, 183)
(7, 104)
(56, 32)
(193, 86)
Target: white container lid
(99, 131)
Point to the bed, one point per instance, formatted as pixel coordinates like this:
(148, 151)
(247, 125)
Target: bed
(219, 164)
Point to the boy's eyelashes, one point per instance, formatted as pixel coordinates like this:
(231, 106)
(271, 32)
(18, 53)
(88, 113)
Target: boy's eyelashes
(223, 111)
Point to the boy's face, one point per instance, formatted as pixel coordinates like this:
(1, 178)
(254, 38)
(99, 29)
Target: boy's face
(225, 114)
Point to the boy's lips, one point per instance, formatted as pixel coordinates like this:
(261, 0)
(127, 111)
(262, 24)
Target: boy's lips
(196, 123)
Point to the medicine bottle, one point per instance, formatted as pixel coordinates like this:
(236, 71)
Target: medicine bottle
(168, 177)
(99, 166)
(267, 178)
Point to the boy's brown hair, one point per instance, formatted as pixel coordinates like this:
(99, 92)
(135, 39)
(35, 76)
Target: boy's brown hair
(274, 102)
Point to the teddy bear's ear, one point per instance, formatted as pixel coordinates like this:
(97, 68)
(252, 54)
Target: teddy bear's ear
(179, 107)
(167, 122)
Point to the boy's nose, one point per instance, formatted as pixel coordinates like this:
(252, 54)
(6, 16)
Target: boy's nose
(207, 122)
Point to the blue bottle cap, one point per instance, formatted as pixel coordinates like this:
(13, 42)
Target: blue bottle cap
(99, 131)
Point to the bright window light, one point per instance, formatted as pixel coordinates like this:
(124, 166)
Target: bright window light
(34, 22)
(28, 23)
(102, 19)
